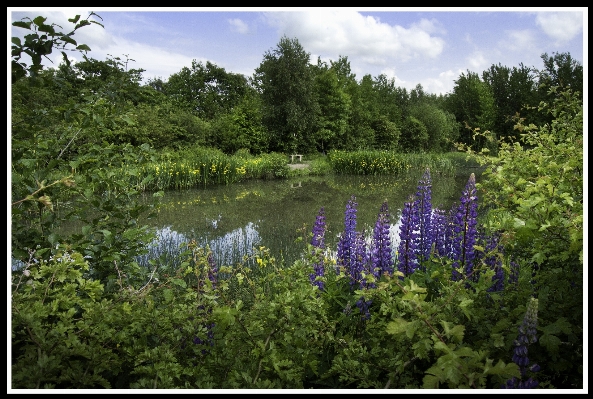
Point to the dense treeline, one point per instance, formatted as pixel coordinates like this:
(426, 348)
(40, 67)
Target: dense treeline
(289, 105)
(488, 294)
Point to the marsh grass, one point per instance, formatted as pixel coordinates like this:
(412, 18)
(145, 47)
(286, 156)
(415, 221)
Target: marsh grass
(202, 167)
(372, 162)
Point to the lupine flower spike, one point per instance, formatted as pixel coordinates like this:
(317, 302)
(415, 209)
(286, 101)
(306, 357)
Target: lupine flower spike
(423, 205)
(346, 244)
(527, 335)
(465, 230)
(381, 258)
(318, 242)
(407, 259)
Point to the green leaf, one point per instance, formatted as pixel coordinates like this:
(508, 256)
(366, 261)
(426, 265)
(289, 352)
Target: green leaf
(502, 369)
(550, 342)
(168, 295)
(22, 24)
(430, 382)
(39, 20)
(465, 307)
(397, 326)
(68, 39)
(83, 47)
(108, 235)
(179, 282)
(411, 328)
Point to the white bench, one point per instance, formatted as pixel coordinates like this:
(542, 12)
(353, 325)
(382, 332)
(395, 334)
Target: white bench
(296, 155)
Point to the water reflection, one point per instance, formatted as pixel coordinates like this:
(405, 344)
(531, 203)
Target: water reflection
(280, 214)
(227, 250)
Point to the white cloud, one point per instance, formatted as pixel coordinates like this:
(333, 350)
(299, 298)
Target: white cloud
(390, 73)
(156, 60)
(518, 40)
(337, 32)
(560, 26)
(443, 84)
(477, 61)
(238, 26)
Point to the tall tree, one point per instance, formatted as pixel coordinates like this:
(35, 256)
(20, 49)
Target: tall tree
(561, 70)
(513, 90)
(441, 126)
(472, 103)
(285, 80)
(334, 108)
(208, 90)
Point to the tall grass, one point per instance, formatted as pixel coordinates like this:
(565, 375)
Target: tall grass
(376, 162)
(201, 167)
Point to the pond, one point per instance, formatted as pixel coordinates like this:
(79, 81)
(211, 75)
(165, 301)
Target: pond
(233, 219)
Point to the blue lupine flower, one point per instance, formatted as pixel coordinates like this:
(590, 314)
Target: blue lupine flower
(465, 229)
(364, 306)
(360, 262)
(212, 270)
(494, 262)
(407, 259)
(439, 231)
(318, 241)
(514, 273)
(381, 257)
(527, 335)
(346, 244)
(423, 206)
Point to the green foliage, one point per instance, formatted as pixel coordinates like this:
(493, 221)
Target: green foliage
(286, 82)
(208, 90)
(61, 335)
(42, 41)
(242, 128)
(513, 90)
(472, 103)
(441, 127)
(334, 108)
(535, 191)
(414, 135)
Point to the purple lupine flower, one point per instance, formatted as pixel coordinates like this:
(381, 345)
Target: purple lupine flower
(381, 258)
(494, 262)
(423, 205)
(345, 256)
(514, 273)
(465, 230)
(360, 262)
(407, 259)
(364, 306)
(527, 335)
(318, 241)
(212, 270)
(439, 228)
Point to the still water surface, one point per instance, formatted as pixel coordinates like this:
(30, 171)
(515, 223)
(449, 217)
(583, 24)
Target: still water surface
(233, 219)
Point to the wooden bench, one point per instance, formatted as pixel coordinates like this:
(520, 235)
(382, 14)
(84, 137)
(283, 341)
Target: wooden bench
(296, 155)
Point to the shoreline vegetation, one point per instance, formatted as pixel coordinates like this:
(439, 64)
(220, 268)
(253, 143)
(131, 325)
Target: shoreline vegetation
(202, 167)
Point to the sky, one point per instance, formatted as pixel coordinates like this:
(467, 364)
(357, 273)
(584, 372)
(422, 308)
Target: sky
(427, 46)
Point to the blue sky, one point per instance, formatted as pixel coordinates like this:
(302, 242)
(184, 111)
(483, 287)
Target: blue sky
(430, 46)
